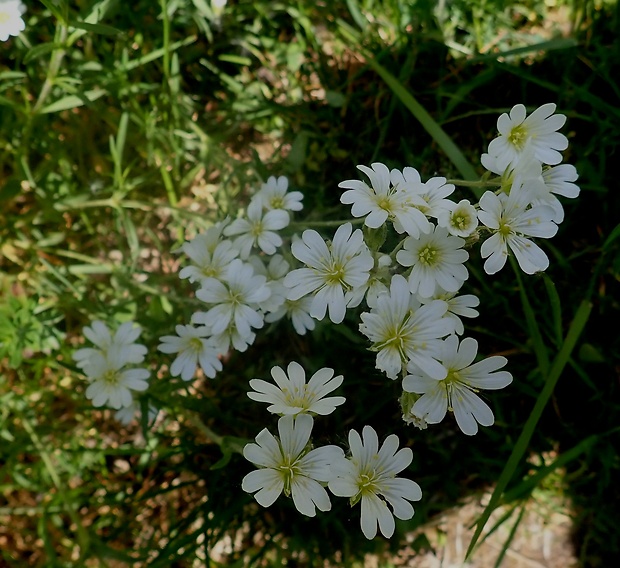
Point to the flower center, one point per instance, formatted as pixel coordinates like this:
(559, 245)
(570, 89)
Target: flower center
(335, 276)
(257, 229)
(277, 202)
(460, 221)
(518, 136)
(428, 255)
(195, 344)
(111, 378)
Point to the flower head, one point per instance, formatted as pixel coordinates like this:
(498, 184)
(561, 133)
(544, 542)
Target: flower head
(110, 383)
(539, 129)
(258, 229)
(288, 465)
(333, 271)
(369, 476)
(402, 330)
(274, 195)
(437, 262)
(512, 221)
(193, 347)
(382, 201)
(294, 396)
(457, 392)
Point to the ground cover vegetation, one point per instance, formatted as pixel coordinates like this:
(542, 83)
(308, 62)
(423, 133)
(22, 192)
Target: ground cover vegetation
(127, 133)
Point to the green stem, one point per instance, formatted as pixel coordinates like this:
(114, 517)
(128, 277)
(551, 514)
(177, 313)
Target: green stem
(55, 61)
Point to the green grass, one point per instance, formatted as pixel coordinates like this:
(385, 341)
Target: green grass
(125, 132)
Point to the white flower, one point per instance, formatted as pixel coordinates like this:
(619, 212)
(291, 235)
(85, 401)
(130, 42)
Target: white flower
(236, 299)
(538, 129)
(428, 197)
(122, 343)
(258, 229)
(369, 476)
(462, 305)
(193, 348)
(333, 271)
(210, 254)
(460, 218)
(457, 392)
(274, 195)
(299, 313)
(288, 465)
(511, 222)
(294, 396)
(382, 201)
(437, 260)
(401, 330)
(110, 383)
(11, 22)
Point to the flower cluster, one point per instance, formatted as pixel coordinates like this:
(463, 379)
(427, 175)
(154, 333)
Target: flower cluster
(401, 276)
(290, 464)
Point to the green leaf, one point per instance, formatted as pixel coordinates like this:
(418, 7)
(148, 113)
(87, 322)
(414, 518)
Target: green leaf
(426, 120)
(73, 101)
(95, 28)
(39, 50)
(581, 318)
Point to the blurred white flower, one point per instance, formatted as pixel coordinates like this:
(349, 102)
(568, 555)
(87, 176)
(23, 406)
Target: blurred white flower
(457, 392)
(236, 299)
(11, 21)
(258, 229)
(111, 384)
(122, 344)
(211, 255)
(274, 195)
(459, 218)
(369, 476)
(288, 465)
(194, 347)
(293, 395)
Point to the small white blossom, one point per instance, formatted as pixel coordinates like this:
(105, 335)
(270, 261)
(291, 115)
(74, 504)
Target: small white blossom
(288, 465)
(236, 299)
(511, 221)
(369, 476)
(193, 347)
(293, 396)
(110, 383)
(258, 229)
(437, 260)
(381, 201)
(402, 330)
(122, 343)
(11, 21)
(299, 313)
(211, 255)
(333, 271)
(539, 129)
(274, 195)
(457, 392)
(459, 218)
